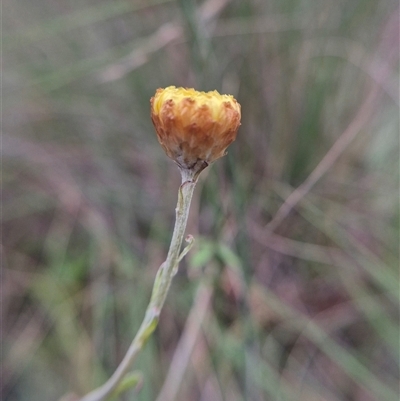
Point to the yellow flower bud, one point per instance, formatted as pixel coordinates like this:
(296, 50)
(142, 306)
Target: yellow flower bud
(194, 128)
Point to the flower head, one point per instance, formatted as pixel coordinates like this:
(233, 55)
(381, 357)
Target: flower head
(194, 128)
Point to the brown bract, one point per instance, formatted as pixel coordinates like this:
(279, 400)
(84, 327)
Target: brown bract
(194, 127)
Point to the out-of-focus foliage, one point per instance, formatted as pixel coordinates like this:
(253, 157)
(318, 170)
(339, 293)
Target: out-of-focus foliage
(304, 308)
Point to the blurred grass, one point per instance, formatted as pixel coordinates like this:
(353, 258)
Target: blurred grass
(306, 312)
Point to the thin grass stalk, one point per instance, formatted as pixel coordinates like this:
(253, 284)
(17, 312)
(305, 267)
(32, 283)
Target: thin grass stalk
(161, 286)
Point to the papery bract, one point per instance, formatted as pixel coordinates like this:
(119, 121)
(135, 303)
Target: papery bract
(194, 127)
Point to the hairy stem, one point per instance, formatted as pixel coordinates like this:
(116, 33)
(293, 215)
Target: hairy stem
(160, 290)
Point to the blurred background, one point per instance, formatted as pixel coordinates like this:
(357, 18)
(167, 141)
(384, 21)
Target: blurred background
(291, 291)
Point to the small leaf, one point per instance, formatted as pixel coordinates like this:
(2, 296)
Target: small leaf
(130, 381)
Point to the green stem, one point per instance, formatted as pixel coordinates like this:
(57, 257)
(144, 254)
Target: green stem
(160, 290)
